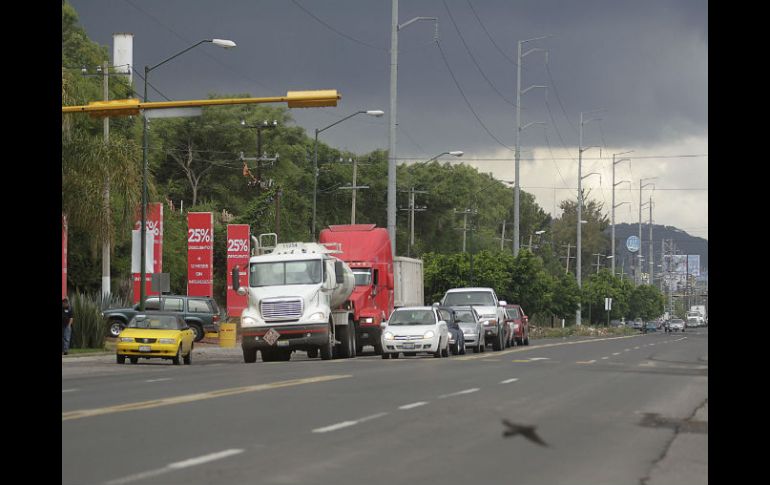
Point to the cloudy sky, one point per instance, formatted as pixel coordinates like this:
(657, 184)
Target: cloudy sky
(645, 64)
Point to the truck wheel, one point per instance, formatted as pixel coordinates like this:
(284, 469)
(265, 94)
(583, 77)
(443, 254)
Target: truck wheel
(347, 345)
(359, 349)
(249, 356)
(312, 353)
(283, 355)
(496, 344)
(268, 356)
(327, 349)
(377, 347)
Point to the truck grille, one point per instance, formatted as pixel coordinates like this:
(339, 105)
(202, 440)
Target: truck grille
(281, 309)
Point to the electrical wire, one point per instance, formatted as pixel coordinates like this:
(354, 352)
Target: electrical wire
(342, 34)
(489, 36)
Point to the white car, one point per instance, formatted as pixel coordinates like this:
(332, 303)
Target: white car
(676, 325)
(412, 330)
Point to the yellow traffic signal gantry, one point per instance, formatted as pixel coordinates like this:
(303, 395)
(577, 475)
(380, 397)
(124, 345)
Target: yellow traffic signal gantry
(132, 106)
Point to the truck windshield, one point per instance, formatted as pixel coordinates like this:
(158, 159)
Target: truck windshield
(464, 316)
(464, 298)
(285, 273)
(363, 276)
(412, 317)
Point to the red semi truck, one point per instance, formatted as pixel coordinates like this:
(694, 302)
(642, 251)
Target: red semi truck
(382, 283)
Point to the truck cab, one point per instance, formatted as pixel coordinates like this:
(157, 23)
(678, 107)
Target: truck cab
(294, 294)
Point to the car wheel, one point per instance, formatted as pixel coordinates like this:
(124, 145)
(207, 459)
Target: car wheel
(497, 343)
(178, 357)
(438, 351)
(121, 359)
(385, 356)
(359, 349)
(249, 356)
(134, 360)
(526, 339)
(198, 332)
(462, 351)
(188, 357)
(377, 347)
(445, 352)
(483, 345)
(115, 327)
(394, 355)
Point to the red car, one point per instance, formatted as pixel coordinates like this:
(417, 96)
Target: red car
(518, 322)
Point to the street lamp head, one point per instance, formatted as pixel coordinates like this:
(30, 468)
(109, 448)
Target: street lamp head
(227, 44)
(375, 112)
(584, 222)
(457, 153)
(539, 232)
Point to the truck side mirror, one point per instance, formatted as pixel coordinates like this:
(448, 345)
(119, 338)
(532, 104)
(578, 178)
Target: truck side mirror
(383, 324)
(236, 278)
(339, 272)
(376, 277)
(503, 303)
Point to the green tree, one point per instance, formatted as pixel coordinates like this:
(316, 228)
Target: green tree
(647, 302)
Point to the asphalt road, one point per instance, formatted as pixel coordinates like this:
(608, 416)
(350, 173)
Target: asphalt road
(629, 410)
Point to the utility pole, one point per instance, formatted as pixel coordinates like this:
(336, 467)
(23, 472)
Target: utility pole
(638, 279)
(106, 244)
(412, 209)
(519, 128)
(261, 157)
(652, 260)
(613, 202)
(569, 246)
(354, 188)
(580, 207)
(465, 222)
(502, 238)
(598, 263)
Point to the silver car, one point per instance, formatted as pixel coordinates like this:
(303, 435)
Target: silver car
(473, 329)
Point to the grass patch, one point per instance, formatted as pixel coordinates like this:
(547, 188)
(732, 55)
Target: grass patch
(581, 331)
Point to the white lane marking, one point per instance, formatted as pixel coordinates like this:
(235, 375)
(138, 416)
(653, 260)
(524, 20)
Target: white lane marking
(413, 405)
(458, 393)
(636, 348)
(626, 350)
(346, 424)
(69, 390)
(604, 358)
(158, 380)
(176, 466)
(508, 381)
(616, 353)
(585, 362)
(539, 358)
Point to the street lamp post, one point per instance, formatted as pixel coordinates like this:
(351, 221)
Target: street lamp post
(393, 123)
(613, 200)
(143, 229)
(374, 112)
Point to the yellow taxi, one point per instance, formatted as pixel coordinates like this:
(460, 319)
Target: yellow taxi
(156, 335)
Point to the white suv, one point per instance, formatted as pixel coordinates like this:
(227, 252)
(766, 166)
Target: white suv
(491, 311)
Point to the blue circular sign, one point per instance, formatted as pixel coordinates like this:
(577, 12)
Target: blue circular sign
(633, 243)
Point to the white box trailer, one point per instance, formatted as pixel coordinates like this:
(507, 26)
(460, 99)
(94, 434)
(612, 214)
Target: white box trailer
(408, 283)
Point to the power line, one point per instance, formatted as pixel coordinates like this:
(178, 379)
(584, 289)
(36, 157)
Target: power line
(489, 36)
(342, 34)
(475, 63)
(475, 115)
(558, 98)
(153, 87)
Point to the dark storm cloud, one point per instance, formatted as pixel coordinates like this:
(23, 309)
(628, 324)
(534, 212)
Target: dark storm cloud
(645, 62)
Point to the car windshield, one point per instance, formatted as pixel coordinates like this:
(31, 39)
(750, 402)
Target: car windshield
(363, 276)
(465, 316)
(158, 322)
(512, 313)
(285, 273)
(463, 298)
(412, 317)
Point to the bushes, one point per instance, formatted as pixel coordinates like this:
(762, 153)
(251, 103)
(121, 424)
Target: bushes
(89, 328)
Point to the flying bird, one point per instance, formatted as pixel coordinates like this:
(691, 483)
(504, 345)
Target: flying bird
(526, 431)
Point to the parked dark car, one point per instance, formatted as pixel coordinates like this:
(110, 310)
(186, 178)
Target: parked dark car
(651, 327)
(456, 338)
(201, 313)
(518, 323)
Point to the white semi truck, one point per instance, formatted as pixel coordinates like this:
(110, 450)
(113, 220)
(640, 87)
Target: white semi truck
(297, 295)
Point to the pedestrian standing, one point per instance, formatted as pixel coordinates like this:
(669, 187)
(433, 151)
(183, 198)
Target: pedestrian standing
(67, 316)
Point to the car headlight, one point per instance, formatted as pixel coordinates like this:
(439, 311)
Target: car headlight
(248, 322)
(490, 322)
(429, 334)
(126, 339)
(317, 316)
(388, 335)
(367, 320)
(167, 341)
(515, 326)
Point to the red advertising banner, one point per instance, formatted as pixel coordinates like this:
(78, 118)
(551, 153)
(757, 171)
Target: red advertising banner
(200, 254)
(63, 256)
(237, 255)
(154, 226)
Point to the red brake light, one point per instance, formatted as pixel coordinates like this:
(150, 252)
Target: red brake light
(215, 318)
